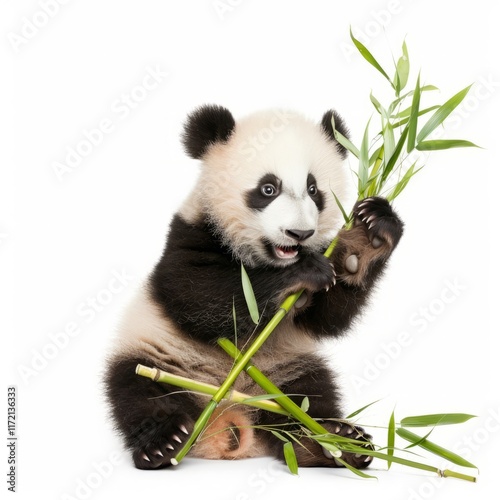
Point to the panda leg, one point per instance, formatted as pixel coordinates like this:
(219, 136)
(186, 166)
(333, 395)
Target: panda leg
(318, 384)
(154, 423)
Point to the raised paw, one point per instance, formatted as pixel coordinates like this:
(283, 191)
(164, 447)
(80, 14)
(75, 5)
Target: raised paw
(161, 443)
(357, 460)
(383, 226)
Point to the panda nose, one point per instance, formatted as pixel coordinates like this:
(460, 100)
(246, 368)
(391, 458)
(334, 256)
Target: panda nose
(299, 234)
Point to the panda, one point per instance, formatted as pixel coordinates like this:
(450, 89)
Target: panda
(263, 199)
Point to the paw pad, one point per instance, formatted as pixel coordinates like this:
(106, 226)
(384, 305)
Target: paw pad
(352, 264)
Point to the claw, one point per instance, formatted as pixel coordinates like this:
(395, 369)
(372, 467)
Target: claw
(176, 438)
(183, 429)
(169, 446)
(145, 457)
(371, 218)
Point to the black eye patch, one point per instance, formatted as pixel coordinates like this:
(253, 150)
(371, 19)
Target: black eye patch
(267, 190)
(315, 194)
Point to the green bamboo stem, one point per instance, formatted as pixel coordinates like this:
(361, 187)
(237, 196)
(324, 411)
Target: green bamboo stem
(233, 374)
(292, 408)
(158, 375)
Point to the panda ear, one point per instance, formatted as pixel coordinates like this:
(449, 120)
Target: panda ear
(340, 126)
(205, 126)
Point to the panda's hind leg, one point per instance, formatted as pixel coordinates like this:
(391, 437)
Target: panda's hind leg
(316, 381)
(310, 454)
(154, 419)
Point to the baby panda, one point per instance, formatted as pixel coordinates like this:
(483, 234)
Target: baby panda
(263, 199)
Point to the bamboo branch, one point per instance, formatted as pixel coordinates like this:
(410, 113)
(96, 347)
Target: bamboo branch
(233, 396)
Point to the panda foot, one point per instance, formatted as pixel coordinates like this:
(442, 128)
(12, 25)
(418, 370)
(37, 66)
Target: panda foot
(162, 443)
(358, 461)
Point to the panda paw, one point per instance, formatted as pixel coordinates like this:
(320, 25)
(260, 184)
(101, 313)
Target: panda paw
(314, 273)
(157, 447)
(382, 225)
(358, 460)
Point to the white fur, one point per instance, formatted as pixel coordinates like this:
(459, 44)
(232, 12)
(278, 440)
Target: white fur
(284, 144)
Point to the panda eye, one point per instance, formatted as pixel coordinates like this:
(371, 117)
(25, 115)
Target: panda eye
(312, 190)
(268, 190)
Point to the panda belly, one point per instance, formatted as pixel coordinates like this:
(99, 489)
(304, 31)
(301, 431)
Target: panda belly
(146, 334)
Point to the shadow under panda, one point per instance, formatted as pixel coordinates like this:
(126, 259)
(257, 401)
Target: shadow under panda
(263, 198)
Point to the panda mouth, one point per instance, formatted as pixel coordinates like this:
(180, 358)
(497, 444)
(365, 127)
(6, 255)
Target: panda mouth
(285, 253)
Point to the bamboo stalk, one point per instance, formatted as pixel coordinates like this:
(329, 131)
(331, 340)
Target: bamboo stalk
(233, 374)
(158, 375)
(292, 408)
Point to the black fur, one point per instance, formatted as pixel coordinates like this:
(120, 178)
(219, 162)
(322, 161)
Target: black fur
(255, 199)
(318, 197)
(146, 414)
(340, 126)
(205, 126)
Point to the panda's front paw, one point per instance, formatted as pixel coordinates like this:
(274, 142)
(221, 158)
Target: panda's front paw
(314, 272)
(160, 444)
(382, 225)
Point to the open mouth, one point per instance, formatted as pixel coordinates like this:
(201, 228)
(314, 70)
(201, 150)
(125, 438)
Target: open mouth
(285, 252)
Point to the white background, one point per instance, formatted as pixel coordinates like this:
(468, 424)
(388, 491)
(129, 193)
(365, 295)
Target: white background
(63, 238)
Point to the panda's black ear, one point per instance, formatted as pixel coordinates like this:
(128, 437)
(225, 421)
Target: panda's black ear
(340, 126)
(205, 126)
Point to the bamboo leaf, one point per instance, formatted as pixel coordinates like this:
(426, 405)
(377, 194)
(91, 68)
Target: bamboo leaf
(378, 153)
(304, 406)
(341, 208)
(357, 412)
(391, 437)
(344, 141)
(235, 323)
(364, 159)
(395, 156)
(434, 448)
(442, 113)
(249, 296)
(402, 70)
(290, 458)
(369, 57)
(436, 419)
(262, 397)
(417, 443)
(398, 188)
(279, 436)
(412, 129)
(406, 119)
(358, 472)
(376, 103)
(399, 100)
(407, 111)
(440, 144)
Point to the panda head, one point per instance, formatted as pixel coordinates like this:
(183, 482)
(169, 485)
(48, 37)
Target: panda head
(267, 182)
